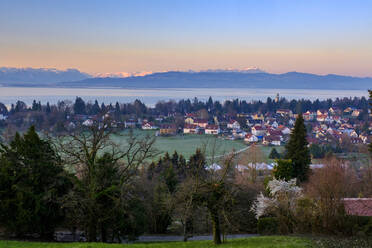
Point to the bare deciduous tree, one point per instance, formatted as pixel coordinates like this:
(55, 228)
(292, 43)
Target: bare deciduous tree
(104, 170)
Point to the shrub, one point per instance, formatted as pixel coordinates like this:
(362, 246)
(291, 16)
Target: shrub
(267, 226)
(359, 225)
(274, 154)
(304, 215)
(283, 169)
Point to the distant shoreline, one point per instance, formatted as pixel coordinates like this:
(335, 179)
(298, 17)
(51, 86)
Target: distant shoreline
(150, 96)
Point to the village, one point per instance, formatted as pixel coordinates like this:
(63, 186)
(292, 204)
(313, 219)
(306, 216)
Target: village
(334, 126)
(325, 126)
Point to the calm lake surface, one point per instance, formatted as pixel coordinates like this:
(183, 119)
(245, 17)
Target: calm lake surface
(10, 95)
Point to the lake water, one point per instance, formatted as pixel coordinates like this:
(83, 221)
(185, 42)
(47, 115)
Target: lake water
(10, 95)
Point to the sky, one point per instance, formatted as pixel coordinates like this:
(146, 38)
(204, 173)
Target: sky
(110, 36)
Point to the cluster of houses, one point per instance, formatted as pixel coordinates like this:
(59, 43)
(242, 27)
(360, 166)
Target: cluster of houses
(274, 128)
(324, 126)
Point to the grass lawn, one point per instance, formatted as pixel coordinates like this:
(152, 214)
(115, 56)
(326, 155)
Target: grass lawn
(267, 149)
(259, 242)
(187, 144)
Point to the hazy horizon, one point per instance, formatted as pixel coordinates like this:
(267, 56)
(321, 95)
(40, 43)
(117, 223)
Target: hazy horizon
(144, 73)
(96, 37)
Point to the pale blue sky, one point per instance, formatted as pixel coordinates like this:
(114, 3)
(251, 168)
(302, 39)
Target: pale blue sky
(154, 35)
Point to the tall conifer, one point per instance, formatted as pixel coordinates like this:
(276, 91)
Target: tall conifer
(298, 151)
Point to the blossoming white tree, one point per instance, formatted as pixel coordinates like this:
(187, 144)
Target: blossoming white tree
(281, 203)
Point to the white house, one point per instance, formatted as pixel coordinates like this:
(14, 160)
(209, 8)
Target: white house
(308, 116)
(275, 124)
(258, 130)
(250, 138)
(284, 112)
(212, 129)
(130, 124)
(272, 140)
(356, 113)
(233, 124)
(189, 120)
(190, 128)
(200, 122)
(148, 126)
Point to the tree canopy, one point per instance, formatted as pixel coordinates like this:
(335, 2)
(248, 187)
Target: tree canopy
(298, 151)
(32, 181)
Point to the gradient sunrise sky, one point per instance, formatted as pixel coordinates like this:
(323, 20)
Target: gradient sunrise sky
(97, 36)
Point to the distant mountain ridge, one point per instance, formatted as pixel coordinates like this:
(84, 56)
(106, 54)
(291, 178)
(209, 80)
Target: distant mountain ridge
(224, 78)
(229, 79)
(29, 76)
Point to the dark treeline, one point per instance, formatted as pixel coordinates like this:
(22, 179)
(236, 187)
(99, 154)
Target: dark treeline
(109, 192)
(55, 117)
(138, 108)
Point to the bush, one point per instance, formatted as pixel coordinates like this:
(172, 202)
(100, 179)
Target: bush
(274, 154)
(267, 226)
(283, 169)
(360, 226)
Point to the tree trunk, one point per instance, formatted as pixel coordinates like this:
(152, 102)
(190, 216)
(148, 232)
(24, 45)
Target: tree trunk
(74, 234)
(216, 227)
(103, 234)
(92, 231)
(185, 232)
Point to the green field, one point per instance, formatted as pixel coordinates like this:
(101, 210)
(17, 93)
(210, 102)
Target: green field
(267, 149)
(187, 144)
(255, 242)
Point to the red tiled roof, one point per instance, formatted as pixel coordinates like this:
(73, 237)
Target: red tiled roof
(275, 132)
(190, 126)
(258, 128)
(200, 121)
(212, 127)
(271, 138)
(168, 126)
(358, 206)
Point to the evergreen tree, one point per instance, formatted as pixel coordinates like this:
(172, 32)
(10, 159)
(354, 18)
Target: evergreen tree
(283, 169)
(274, 154)
(103, 108)
(117, 108)
(196, 164)
(20, 106)
(79, 106)
(34, 106)
(3, 109)
(95, 108)
(32, 181)
(48, 109)
(297, 150)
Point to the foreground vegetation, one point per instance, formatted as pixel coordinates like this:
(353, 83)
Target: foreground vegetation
(113, 193)
(272, 241)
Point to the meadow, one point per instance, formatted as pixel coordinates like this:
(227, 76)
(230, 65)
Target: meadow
(254, 242)
(187, 144)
